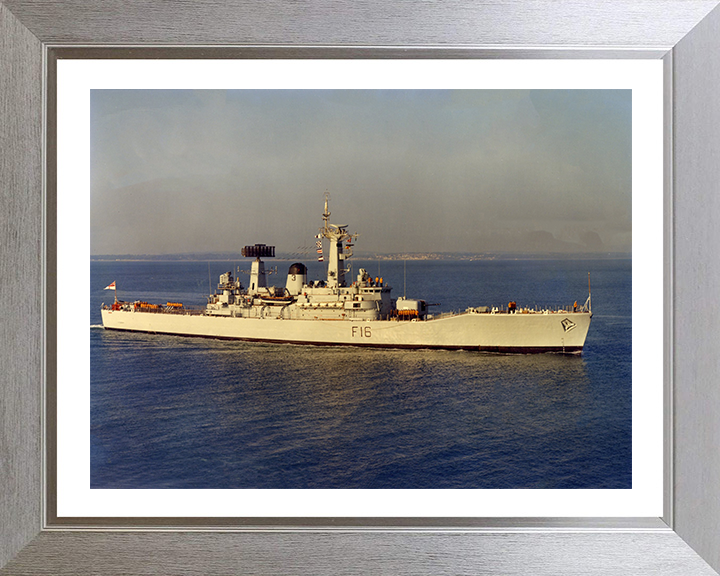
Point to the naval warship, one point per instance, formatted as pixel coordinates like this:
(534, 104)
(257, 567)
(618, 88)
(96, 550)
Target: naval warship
(353, 311)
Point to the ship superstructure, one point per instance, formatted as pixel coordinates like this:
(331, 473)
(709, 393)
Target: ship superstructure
(344, 310)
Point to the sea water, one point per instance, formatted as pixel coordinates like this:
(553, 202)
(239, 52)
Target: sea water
(175, 412)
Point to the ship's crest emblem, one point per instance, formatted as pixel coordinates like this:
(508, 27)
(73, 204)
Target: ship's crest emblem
(568, 324)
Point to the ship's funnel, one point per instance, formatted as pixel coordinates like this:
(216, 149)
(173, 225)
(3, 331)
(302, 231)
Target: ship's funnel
(296, 279)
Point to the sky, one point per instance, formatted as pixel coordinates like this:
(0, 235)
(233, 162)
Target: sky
(523, 171)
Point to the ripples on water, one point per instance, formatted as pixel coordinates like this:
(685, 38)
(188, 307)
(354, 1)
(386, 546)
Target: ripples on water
(171, 412)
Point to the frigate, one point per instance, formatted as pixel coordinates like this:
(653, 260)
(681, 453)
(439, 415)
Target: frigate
(349, 310)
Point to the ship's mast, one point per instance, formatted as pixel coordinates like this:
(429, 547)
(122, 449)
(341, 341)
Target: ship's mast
(326, 214)
(337, 256)
(257, 268)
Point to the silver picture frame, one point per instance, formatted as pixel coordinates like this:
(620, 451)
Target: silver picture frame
(684, 34)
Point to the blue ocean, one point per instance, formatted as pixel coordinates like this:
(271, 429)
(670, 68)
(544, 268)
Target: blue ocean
(174, 412)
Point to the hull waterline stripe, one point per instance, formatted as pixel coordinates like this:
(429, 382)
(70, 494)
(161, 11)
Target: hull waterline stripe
(499, 349)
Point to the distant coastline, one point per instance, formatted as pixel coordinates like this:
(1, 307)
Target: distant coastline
(397, 256)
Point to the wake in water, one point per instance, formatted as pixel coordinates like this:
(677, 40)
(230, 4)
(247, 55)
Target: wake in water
(96, 326)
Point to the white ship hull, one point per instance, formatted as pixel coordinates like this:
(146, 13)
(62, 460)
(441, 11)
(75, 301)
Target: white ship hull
(502, 332)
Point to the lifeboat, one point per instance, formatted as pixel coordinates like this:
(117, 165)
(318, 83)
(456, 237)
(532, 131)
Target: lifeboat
(276, 300)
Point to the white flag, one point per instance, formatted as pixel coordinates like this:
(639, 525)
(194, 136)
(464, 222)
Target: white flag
(110, 287)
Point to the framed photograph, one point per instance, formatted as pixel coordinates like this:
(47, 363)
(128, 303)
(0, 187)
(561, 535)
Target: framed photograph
(115, 136)
(424, 425)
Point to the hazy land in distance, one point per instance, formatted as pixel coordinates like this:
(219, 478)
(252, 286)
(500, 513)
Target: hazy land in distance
(229, 256)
